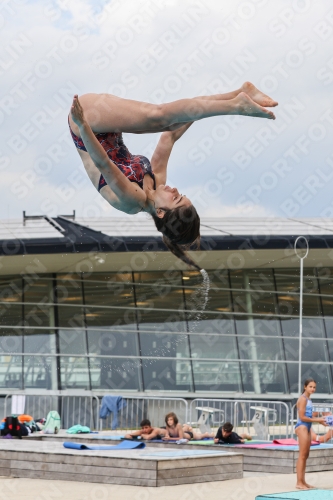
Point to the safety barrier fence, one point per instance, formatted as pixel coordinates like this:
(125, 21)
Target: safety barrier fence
(261, 419)
(73, 409)
(154, 408)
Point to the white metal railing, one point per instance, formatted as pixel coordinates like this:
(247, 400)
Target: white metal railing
(73, 409)
(261, 419)
(153, 408)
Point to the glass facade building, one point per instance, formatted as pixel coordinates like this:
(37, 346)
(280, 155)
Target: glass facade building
(145, 331)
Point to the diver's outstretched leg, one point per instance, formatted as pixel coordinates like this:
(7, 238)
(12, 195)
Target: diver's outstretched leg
(107, 113)
(249, 89)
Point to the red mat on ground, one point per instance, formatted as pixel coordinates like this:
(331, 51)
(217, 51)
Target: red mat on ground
(291, 442)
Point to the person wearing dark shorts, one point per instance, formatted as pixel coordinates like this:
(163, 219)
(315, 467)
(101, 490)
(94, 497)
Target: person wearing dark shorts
(225, 435)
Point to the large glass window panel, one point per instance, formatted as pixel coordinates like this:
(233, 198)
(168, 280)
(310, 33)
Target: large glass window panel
(72, 341)
(213, 323)
(108, 290)
(37, 315)
(160, 302)
(216, 376)
(319, 372)
(39, 341)
(264, 377)
(159, 321)
(219, 278)
(11, 340)
(289, 281)
(312, 350)
(213, 346)
(218, 300)
(290, 326)
(326, 289)
(10, 289)
(161, 345)
(11, 372)
(74, 373)
(327, 304)
(108, 343)
(330, 349)
(114, 374)
(166, 375)
(38, 290)
(158, 290)
(10, 296)
(325, 280)
(329, 327)
(260, 348)
(312, 327)
(249, 325)
(311, 304)
(69, 289)
(70, 316)
(160, 281)
(121, 319)
(11, 314)
(40, 372)
(253, 291)
(162, 313)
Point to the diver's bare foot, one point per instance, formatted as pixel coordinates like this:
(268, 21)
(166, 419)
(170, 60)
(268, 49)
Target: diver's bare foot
(301, 486)
(258, 96)
(246, 106)
(310, 486)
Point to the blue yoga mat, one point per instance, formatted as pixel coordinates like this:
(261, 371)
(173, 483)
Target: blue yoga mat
(124, 445)
(300, 495)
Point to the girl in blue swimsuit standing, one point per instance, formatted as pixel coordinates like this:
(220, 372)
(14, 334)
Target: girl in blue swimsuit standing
(303, 431)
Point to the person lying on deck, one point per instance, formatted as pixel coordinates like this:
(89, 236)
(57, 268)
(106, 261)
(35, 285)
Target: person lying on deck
(196, 434)
(225, 435)
(146, 432)
(173, 430)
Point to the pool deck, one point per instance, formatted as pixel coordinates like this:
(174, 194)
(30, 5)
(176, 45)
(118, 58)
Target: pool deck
(247, 488)
(278, 460)
(48, 459)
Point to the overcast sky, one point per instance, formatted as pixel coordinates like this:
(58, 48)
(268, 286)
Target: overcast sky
(163, 50)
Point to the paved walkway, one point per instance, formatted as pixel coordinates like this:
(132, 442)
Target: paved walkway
(238, 489)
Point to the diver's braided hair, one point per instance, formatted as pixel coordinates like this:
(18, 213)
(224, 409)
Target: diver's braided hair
(181, 230)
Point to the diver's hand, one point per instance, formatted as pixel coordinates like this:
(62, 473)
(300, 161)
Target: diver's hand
(77, 113)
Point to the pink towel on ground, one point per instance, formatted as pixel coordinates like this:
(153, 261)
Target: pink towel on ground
(291, 442)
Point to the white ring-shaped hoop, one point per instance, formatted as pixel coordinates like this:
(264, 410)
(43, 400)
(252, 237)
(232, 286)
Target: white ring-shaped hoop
(307, 247)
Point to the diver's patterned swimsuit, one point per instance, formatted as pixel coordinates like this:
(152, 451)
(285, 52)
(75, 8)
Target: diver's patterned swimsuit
(134, 167)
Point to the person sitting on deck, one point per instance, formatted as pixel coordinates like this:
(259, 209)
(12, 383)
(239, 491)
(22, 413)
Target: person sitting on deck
(146, 432)
(225, 435)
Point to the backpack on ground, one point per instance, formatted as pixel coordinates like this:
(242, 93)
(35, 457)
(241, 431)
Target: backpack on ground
(12, 426)
(52, 424)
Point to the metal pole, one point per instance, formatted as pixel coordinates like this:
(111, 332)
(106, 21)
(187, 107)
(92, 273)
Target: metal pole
(301, 308)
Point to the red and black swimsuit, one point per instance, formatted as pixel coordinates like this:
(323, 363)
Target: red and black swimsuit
(134, 167)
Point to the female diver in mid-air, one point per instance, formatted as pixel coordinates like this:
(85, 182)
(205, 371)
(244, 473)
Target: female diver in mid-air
(131, 183)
